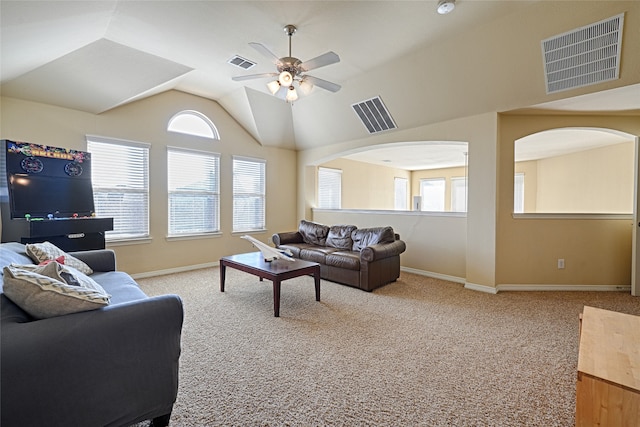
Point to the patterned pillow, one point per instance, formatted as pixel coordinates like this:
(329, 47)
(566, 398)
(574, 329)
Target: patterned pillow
(40, 252)
(43, 291)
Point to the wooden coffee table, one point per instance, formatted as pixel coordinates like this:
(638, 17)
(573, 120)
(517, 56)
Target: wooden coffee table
(276, 271)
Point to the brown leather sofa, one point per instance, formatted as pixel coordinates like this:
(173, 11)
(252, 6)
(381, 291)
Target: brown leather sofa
(365, 258)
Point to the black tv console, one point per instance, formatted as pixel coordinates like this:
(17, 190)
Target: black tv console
(69, 234)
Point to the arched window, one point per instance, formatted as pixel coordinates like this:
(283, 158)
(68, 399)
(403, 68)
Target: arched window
(193, 123)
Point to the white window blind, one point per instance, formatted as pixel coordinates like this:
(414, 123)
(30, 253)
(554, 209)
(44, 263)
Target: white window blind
(401, 189)
(120, 178)
(432, 192)
(518, 194)
(329, 188)
(459, 194)
(194, 192)
(249, 189)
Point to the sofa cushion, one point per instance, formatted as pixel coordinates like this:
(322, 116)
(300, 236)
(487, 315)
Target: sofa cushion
(295, 248)
(120, 286)
(313, 233)
(43, 292)
(342, 259)
(40, 252)
(364, 237)
(340, 236)
(316, 253)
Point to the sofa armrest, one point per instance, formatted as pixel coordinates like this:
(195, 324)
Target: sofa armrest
(382, 250)
(98, 260)
(120, 361)
(286, 238)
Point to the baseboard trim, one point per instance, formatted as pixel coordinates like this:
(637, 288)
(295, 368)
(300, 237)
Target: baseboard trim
(432, 274)
(175, 270)
(569, 288)
(481, 288)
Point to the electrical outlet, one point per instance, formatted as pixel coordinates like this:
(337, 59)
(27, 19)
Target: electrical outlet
(560, 263)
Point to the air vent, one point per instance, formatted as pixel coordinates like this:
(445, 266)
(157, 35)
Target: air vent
(241, 62)
(584, 56)
(374, 115)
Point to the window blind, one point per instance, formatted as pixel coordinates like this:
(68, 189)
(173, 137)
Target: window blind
(249, 188)
(120, 178)
(432, 192)
(459, 194)
(194, 192)
(401, 186)
(329, 188)
(518, 194)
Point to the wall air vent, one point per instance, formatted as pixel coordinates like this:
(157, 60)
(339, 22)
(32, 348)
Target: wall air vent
(584, 56)
(241, 62)
(374, 115)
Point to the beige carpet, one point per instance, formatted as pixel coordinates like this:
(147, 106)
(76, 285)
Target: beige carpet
(418, 352)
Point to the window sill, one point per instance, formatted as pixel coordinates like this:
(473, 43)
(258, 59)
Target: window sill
(261, 231)
(129, 241)
(193, 236)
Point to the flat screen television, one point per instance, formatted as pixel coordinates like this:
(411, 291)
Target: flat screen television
(40, 195)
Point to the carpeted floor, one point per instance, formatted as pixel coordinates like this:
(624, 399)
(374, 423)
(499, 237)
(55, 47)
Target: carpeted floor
(418, 352)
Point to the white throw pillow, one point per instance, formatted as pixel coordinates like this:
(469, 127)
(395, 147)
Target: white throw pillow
(40, 252)
(45, 291)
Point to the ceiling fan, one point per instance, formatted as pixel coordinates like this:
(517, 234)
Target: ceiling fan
(292, 70)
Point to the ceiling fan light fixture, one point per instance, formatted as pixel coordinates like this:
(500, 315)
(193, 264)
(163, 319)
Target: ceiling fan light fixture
(273, 86)
(292, 95)
(285, 78)
(446, 6)
(305, 87)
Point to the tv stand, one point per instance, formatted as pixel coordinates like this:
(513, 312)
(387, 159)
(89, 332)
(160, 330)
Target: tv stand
(69, 234)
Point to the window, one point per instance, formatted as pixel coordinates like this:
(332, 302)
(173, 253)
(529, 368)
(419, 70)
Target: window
(329, 188)
(458, 194)
(432, 192)
(249, 183)
(193, 123)
(401, 186)
(194, 192)
(518, 194)
(120, 178)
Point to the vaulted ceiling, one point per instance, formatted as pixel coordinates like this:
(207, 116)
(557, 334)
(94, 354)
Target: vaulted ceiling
(93, 56)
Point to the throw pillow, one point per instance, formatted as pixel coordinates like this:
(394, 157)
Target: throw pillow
(40, 252)
(313, 233)
(340, 236)
(364, 237)
(43, 292)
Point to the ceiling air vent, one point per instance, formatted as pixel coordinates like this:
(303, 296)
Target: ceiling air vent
(241, 62)
(374, 115)
(584, 56)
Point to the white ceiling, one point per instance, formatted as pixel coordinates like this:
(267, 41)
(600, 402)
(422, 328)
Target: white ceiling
(95, 55)
(40, 39)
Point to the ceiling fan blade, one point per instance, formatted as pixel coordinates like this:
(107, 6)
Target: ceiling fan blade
(324, 84)
(265, 51)
(253, 76)
(320, 61)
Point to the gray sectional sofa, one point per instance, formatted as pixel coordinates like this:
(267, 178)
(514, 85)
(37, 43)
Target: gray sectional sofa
(111, 366)
(365, 258)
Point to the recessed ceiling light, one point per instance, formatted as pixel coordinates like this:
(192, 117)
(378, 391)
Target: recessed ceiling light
(446, 6)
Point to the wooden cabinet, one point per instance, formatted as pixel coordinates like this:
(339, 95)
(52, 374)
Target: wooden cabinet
(69, 234)
(608, 387)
